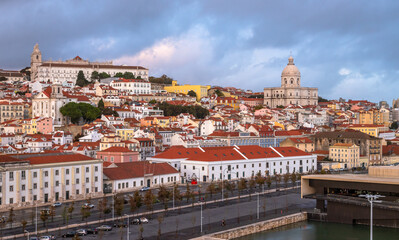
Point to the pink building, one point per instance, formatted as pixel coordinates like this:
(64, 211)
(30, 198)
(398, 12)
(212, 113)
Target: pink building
(45, 125)
(118, 155)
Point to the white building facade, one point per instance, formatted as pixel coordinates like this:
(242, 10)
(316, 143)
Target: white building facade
(34, 178)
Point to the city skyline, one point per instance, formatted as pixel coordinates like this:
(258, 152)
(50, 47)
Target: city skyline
(337, 49)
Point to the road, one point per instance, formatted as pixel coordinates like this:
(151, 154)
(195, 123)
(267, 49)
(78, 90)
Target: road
(188, 221)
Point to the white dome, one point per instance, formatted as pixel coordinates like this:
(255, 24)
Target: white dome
(290, 70)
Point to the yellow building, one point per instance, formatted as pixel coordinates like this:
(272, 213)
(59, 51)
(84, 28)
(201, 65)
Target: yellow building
(125, 133)
(29, 126)
(345, 153)
(374, 116)
(370, 129)
(201, 91)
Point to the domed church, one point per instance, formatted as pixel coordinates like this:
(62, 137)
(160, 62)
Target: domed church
(290, 92)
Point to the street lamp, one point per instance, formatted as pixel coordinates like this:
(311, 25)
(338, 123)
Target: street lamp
(201, 216)
(128, 223)
(372, 199)
(26, 231)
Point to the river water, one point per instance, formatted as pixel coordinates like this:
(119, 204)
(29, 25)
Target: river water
(324, 231)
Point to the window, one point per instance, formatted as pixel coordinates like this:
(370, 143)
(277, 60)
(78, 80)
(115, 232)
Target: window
(46, 173)
(11, 188)
(77, 181)
(77, 170)
(67, 182)
(11, 176)
(23, 187)
(87, 169)
(23, 199)
(11, 200)
(77, 191)
(87, 179)
(46, 184)
(67, 172)
(184, 166)
(87, 190)
(57, 183)
(35, 186)
(34, 197)
(96, 179)
(96, 169)
(23, 175)
(57, 172)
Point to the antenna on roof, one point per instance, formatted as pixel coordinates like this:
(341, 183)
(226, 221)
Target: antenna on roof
(201, 148)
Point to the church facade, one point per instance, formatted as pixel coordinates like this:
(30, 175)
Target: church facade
(67, 71)
(290, 92)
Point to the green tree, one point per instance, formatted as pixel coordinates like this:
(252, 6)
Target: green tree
(43, 217)
(320, 99)
(2, 79)
(219, 93)
(164, 196)
(268, 181)
(174, 110)
(85, 212)
(100, 105)
(153, 101)
(257, 107)
(192, 93)
(149, 200)
(188, 192)
(119, 204)
(260, 180)
(119, 75)
(394, 125)
(252, 185)
(286, 179)
(94, 76)
(133, 204)
(128, 75)
(277, 179)
(103, 75)
(64, 214)
(81, 81)
(211, 189)
(161, 80)
(23, 225)
(242, 185)
(76, 111)
(138, 199)
(71, 208)
(71, 110)
(293, 178)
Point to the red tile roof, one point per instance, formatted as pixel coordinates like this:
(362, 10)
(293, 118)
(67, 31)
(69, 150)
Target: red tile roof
(137, 169)
(117, 149)
(229, 153)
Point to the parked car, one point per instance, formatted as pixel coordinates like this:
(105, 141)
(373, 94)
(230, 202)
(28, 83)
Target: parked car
(91, 231)
(33, 238)
(81, 232)
(104, 228)
(144, 220)
(56, 204)
(48, 237)
(136, 221)
(2, 219)
(143, 189)
(88, 205)
(69, 234)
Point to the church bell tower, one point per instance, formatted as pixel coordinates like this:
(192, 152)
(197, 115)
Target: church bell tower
(35, 61)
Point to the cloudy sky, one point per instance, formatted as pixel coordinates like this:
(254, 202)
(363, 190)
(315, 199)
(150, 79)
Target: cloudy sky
(345, 48)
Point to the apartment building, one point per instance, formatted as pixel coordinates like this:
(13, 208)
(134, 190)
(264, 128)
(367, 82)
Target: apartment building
(47, 177)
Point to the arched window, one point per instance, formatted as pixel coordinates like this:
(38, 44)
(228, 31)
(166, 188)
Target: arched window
(292, 81)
